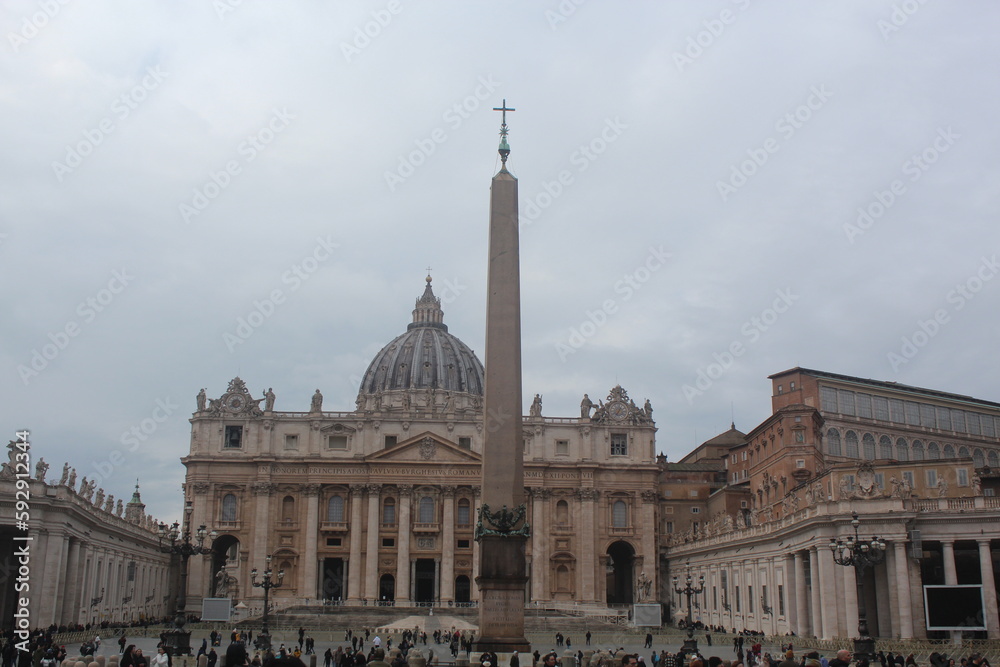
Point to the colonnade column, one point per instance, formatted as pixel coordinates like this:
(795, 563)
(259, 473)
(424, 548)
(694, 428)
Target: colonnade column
(262, 523)
(802, 624)
(370, 559)
(71, 593)
(823, 574)
(55, 561)
(904, 609)
(989, 588)
(588, 497)
(948, 558)
(354, 559)
(446, 582)
(851, 600)
(311, 574)
(539, 543)
(403, 544)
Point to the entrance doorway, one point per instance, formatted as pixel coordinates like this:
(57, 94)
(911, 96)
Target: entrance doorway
(332, 587)
(387, 588)
(424, 588)
(620, 576)
(463, 589)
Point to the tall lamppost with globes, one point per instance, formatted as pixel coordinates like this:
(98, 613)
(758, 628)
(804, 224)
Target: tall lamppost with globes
(690, 644)
(176, 540)
(267, 583)
(860, 554)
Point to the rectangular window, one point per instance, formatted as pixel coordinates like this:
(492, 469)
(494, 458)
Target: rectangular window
(670, 524)
(828, 399)
(390, 441)
(781, 600)
(944, 419)
(763, 595)
(388, 541)
(972, 423)
(988, 492)
(464, 544)
(750, 599)
(896, 412)
(619, 444)
(927, 419)
(695, 525)
(963, 476)
(234, 437)
(913, 413)
(693, 493)
(668, 510)
(334, 541)
(932, 478)
(880, 480)
(743, 504)
(800, 436)
(779, 389)
(336, 442)
(465, 442)
(958, 421)
(846, 400)
(881, 405)
(291, 442)
(987, 423)
(850, 482)
(695, 510)
(736, 592)
(908, 476)
(791, 386)
(865, 406)
(800, 463)
(562, 447)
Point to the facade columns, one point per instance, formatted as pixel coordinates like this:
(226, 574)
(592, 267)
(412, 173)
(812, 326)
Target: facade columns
(310, 572)
(588, 497)
(354, 559)
(370, 559)
(71, 602)
(199, 580)
(989, 589)
(476, 503)
(648, 544)
(802, 625)
(403, 545)
(948, 558)
(904, 609)
(539, 544)
(262, 519)
(55, 561)
(823, 573)
(851, 601)
(446, 572)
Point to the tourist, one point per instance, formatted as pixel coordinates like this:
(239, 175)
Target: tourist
(161, 659)
(138, 659)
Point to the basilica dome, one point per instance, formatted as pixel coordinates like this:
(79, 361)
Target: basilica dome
(425, 357)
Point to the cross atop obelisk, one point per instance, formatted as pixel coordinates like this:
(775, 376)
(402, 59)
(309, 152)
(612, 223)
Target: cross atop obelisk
(504, 146)
(501, 529)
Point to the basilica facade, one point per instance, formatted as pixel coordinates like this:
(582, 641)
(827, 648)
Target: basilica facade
(379, 503)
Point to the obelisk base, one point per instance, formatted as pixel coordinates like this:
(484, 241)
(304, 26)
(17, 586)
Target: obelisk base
(501, 595)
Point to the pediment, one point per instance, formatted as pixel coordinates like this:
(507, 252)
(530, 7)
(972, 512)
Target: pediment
(427, 447)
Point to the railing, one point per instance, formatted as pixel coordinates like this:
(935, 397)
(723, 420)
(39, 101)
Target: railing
(333, 526)
(961, 503)
(620, 531)
(426, 527)
(222, 526)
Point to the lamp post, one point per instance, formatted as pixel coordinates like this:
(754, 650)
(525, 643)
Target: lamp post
(860, 554)
(267, 583)
(690, 644)
(176, 540)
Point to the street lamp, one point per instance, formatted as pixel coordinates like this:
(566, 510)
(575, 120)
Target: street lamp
(690, 644)
(267, 583)
(178, 543)
(860, 554)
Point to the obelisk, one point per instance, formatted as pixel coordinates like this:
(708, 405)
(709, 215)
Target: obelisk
(501, 528)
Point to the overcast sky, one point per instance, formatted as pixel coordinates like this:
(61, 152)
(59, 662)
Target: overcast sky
(804, 183)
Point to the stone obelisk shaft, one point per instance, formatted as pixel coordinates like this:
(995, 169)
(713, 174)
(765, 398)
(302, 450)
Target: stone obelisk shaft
(502, 566)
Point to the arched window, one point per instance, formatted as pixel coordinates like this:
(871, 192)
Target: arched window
(389, 512)
(335, 509)
(933, 451)
(562, 513)
(464, 512)
(885, 447)
(852, 444)
(978, 458)
(833, 442)
(868, 445)
(902, 449)
(426, 512)
(619, 514)
(229, 507)
(949, 451)
(963, 452)
(918, 450)
(288, 509)
(993, 459)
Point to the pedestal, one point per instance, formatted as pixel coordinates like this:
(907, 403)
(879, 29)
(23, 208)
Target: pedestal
(501, 595)
(176, 641)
